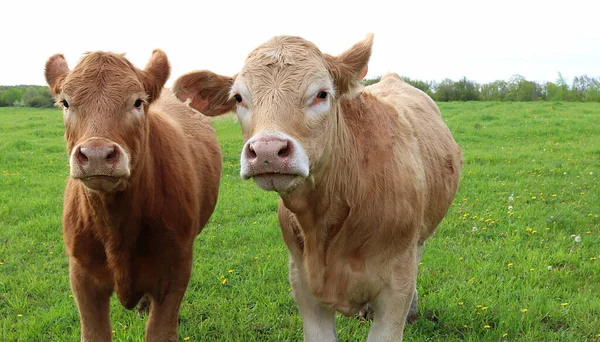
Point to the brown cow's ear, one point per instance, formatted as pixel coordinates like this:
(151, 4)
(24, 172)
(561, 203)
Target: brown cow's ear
(350, 67)
(207, 91)
(156, 73)
(56, 70)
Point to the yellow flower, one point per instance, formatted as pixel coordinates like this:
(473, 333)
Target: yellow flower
(460, 259)
(230, 271)
(510, 264)
(186, 338)
(486, 326)
(19, 315)
(224, 281)
(484, 308)
(523, 310)
(125, 326)
(461, 303)
(531, 269)
(564, 304)
(592, 258)
(533, 197)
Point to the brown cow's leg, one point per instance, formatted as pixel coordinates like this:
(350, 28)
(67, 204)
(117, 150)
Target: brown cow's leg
(393, 302)
(164, 310)
(93, 303)
(318, 322)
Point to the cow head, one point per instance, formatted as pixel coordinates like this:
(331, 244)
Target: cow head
(105, 102)
(287, 98)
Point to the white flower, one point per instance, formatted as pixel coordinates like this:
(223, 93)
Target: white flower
(572, 236)
(549, 268)
(591, 173)
(578, 238)
(510, 198)
(474, 229)
(564, 173)
(510, 207)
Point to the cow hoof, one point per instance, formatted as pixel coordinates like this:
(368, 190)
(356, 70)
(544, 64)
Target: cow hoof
(412, 317)
(366, 314)
(143, 307)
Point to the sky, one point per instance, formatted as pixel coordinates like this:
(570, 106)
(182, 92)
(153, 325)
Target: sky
(423, 39)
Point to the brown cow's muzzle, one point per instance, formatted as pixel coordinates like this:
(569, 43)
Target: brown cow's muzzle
(100, 164)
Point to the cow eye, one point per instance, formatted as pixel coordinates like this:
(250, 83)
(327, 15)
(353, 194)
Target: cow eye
(322, 95)
(65, 103)
(138, 103)
(238, 98)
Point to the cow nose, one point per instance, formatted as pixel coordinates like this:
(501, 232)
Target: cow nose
(97, 155)
(268, 151)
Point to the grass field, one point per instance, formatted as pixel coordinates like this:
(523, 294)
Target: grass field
(517, 257)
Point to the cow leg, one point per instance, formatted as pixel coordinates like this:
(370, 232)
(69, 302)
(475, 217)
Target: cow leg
(163, 319)
(318, 322)
(413, 312)
(93, 301)
(392, 304)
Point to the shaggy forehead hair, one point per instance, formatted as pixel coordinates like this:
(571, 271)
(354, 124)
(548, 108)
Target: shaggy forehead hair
(284, 64)
(102, 78)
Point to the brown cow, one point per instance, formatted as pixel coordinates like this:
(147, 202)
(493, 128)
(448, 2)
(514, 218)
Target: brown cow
(364, 175)
(144, 178)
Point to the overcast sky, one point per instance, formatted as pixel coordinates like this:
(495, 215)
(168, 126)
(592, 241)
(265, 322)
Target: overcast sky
(427, 40)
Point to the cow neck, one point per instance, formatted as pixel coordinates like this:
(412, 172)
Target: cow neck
(323, 204)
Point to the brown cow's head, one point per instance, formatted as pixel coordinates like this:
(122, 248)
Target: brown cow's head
(287, 99)
(105, 103)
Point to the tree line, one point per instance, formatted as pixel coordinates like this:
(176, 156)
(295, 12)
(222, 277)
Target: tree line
(26, 96)
(517, 88)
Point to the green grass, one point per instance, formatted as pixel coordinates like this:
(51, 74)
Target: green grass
(474, 283)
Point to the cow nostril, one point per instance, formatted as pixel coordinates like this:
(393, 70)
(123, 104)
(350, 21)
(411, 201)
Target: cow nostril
(251, 152)
(112, 154)
(284, 152)
(81, 156)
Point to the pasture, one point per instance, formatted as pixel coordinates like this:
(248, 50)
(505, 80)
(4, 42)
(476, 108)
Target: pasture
(517, 258)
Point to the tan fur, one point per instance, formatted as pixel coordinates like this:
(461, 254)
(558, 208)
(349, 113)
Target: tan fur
(384, 170)
(138, 239)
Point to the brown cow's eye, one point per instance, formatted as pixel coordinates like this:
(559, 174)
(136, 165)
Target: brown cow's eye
(138, 103)
(322, 95)
(65, 103)
(238, 98)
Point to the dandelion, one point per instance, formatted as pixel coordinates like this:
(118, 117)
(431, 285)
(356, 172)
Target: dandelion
(511, 198)
(591, 173)
(549, 268)
(505, 334)
(577, 238)
(125, 326)
(224, 281)
(510, 264)
(460, 259)
(531, 269)
(113, 332)
(533, 197)
(564, 304)
(484, 308)
(474, 229)
(461, 303)
(486, 326)
(20, 315)
(510, 207)
(524, 310)
(230, 271)
(564, 173)
(593, 259)
(186, 338)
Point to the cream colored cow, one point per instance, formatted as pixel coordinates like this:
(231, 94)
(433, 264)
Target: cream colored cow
(365, 175)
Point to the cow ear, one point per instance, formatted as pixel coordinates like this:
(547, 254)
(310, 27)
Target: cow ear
(208, 92)
(156, 73)
(56, 71)
(350, 67)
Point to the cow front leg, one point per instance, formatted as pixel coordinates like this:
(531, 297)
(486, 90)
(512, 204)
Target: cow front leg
(93, 301)
(318, 321)
(393, 302)
(163, 319)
